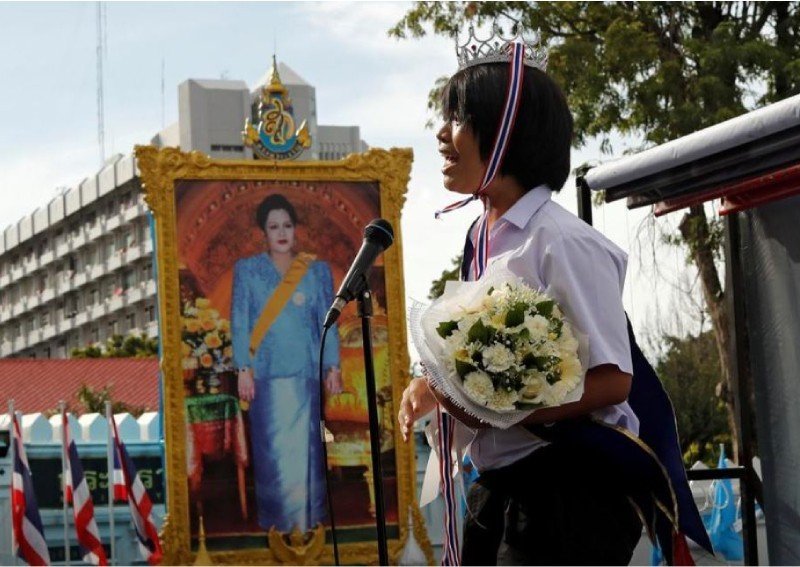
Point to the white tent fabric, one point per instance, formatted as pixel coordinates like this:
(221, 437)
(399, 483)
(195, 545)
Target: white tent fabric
(703, 143)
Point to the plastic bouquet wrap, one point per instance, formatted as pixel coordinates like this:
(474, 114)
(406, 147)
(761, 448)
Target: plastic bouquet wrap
(499, 349)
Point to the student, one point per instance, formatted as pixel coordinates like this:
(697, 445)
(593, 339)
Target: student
(546, 494)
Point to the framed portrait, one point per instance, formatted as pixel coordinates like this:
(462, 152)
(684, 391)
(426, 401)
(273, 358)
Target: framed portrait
(249, 256)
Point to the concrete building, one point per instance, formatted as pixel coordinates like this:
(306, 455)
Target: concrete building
(80, 268)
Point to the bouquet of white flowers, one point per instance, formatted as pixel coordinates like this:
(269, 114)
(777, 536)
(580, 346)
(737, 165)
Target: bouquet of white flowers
(498, 348)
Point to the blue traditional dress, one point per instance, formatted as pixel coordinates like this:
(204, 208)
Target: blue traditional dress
(284, 414)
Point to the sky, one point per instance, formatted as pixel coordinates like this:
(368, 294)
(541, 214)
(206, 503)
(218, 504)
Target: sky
(48, 109)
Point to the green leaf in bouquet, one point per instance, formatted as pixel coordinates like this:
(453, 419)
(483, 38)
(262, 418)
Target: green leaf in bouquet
(516, 315)
(545, 308)
(529, 361)
(553, 376)
(463, 368)
(545, 363)
(555, 326)
(479, 333)
(446, 328)
(491, 289)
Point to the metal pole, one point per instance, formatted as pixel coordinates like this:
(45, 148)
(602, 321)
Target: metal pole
(584, 200)
(13, 451)
(62, 409)
(110, 480)
(365, 312)
(740, 378)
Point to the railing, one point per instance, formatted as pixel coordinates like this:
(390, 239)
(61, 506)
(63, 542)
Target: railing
(48, 294)
(46, 258)
(31, 265)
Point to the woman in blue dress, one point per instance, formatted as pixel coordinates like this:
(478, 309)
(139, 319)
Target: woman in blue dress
(278, 376)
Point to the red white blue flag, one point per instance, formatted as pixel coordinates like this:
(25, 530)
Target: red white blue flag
(27, 534)
(139, 502)
(118, 477)
(76, 492)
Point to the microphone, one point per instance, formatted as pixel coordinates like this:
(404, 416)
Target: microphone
(378, 236)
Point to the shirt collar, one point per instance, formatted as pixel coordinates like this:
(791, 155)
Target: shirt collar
(521, 212)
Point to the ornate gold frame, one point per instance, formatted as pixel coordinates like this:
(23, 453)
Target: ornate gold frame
(159, 170)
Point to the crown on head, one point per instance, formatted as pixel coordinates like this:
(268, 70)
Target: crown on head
(498, 49)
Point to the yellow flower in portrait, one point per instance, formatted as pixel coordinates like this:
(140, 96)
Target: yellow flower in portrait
(213, 340)
(213, 313)
(224, 325)
(208, 324)
(206, 360)
(193, 325)
(202, 303)
(227, 352)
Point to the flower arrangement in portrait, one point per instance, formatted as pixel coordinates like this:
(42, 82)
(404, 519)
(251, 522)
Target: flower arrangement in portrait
(206, 342)
(499, 348)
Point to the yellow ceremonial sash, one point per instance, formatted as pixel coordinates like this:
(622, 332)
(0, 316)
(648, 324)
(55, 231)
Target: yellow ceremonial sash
(279, 298)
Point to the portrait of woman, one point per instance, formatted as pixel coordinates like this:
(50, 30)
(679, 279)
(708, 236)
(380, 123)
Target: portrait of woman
(279, 300)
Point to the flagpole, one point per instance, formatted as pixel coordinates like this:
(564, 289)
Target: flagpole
(13, 452)
(62, 409)
(110, 468)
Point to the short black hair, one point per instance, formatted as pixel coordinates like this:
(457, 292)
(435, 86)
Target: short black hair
(274, 203)
(539, 149)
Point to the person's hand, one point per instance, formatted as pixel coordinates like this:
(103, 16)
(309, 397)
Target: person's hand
(418, 400)
(333, 382)
(247, 386)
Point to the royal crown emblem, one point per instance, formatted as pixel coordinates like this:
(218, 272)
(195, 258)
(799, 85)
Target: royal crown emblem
(498, 49)
(275, 137)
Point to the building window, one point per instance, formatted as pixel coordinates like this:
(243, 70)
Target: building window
(226, 148)
(127, 280)
(95, 335)
(130, 321)
(150, 311)
(113, 327)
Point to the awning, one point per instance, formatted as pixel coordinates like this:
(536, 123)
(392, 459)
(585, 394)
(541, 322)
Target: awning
(706, 164)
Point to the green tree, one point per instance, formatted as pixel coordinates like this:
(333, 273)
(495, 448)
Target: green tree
(437, 286)
(94, 401)
(119, 346)
(658, 70)
(689, 370)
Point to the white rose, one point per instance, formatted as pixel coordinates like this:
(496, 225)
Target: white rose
(537, 325)
(479, 387)
(497, 358)
(503, 400)
(533, 386)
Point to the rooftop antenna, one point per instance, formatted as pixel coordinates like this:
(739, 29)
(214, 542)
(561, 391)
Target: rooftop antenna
(100, 104)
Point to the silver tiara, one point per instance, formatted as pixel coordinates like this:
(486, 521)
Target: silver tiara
(498, 49)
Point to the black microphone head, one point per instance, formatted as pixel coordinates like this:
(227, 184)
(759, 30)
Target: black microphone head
(380, 232)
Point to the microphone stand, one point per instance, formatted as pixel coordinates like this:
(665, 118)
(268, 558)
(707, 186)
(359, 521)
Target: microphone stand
(364, 297)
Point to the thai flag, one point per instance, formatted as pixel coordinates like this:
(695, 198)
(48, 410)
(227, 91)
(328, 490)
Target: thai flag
(139, 502)
(118, 477)
(27, 533)
(76, 492)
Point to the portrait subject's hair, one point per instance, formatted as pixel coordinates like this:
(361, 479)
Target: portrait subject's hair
(539, 148)
(274, 203)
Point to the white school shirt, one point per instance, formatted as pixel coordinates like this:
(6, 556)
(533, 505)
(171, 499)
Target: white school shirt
(584, 272)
